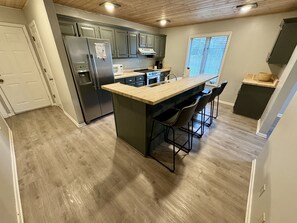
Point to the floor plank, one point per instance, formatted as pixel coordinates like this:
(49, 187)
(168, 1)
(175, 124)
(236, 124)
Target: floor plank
(70, 174)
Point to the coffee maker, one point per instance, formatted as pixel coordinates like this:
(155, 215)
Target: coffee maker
(159, 64)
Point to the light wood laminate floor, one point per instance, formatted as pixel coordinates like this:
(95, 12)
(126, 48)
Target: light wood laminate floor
(70, 174)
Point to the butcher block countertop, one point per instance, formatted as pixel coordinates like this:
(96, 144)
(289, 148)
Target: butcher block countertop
(128, 74)
(157, 94)
(252, 80)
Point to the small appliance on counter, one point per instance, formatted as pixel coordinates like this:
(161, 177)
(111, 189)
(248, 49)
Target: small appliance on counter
(152, 76)
(159, 64)
(118, 69)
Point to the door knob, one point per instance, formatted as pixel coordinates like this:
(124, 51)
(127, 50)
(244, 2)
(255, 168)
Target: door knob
(1, 81)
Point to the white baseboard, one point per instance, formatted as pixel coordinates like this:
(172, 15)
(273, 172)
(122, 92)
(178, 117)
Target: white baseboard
(226, 103)
(250, 194)
(76, 123)
(258, 133)
(19, 211)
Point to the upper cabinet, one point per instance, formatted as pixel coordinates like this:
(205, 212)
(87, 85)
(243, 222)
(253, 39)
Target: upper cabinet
(124, 42)
(159, 46)
(162, 46)
(68, 28)
(285, 43)
(88, 30)
(108, 33)
(133, 44)
(121, 37)
(146, 40)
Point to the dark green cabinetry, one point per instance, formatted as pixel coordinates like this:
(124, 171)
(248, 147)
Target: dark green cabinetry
(68, 28)
(132, 44)
(252, 100)
(88, 30)
(121, 37)
(137, 81)
(124, 41)
(146, 40)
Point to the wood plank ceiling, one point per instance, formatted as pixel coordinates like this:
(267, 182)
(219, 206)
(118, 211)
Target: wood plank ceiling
(180, 12)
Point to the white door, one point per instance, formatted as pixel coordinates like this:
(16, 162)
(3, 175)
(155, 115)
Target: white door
(45, 65)
(19, 77)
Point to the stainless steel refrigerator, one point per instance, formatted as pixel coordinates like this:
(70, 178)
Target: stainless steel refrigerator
(91, 63)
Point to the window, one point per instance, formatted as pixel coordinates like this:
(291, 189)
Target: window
(206, 54)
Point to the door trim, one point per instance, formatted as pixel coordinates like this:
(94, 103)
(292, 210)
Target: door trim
(35, 61)
(48, 68)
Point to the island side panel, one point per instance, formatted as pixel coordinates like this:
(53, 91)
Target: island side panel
(130, 119)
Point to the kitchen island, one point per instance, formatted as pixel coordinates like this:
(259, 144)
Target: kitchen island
(134, 108)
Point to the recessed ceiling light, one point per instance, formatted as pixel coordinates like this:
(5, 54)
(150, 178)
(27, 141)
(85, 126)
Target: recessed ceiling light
(109, 6)
(163, 22)
(247, 7)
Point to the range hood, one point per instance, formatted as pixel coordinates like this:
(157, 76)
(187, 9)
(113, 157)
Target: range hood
(146, 51)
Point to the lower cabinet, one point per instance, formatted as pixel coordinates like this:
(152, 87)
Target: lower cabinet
(137, 81)
(252, 100)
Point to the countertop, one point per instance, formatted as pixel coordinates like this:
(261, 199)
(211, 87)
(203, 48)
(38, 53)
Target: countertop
(157, 94)
(252, 80)
(131, 73)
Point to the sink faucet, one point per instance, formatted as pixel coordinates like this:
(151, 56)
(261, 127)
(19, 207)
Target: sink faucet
(168, 75)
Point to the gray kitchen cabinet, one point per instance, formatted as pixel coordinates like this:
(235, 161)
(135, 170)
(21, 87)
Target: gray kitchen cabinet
(146, 40)
(68, 28)
(108, 33)
(251, 100)
(162, 46)
(157, 46)
(142, 40)
(150, 40)
(88, 30)
(137, 81)
(132, 44)
(163, 75)
(121, 37)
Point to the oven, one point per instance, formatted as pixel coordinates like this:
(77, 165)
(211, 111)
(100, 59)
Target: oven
(153, 77)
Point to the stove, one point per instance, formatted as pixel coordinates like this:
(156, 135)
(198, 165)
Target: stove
(152, 76)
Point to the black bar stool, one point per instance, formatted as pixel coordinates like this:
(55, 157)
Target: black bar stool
(171, 119)
(222, 87)
(200, 109)
(216, 92)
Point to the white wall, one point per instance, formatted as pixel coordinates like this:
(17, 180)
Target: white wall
(10, 207)
(276, 167)
(43, 12)
(252, 40)
(280, 95)
(141, 61)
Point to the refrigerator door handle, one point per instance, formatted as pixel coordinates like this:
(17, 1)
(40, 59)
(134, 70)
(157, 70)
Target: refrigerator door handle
(96, 71)
(92, 72)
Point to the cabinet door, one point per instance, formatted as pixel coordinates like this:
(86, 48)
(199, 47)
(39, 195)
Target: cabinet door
(133, 44)
(150, 39)
(157, 46)
(121, 37)
(68, 28)
(142, 40)
(88, 30)
(108, 33)
(162, 46)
